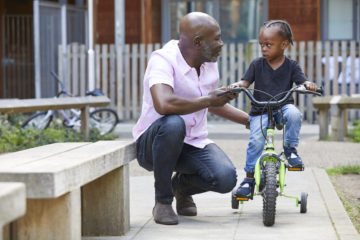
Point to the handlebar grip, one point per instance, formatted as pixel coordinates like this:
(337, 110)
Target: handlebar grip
(320, 90)
(222, 93)
(233, 90)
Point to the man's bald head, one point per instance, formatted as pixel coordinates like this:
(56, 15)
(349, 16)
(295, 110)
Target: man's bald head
(196, 24)
(200, 39)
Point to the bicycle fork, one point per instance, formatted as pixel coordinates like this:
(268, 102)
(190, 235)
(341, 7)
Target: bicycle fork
(271, 156)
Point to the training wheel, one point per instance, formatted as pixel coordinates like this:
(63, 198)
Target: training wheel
(234, 202)
(303, 202)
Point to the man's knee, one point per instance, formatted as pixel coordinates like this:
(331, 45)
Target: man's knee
(225, 181)
(175, 125)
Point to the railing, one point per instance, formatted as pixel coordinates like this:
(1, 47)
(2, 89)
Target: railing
(17, 56)
(120, 70)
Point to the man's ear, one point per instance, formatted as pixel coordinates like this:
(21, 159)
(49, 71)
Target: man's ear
(197, 41)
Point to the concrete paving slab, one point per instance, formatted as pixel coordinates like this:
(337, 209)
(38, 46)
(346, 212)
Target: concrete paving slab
(216, 219)
(326, 218)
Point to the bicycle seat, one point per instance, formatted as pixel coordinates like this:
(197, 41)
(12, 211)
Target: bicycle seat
(95, 92)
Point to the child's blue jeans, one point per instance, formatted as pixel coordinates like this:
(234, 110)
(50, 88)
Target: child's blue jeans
(291, 116)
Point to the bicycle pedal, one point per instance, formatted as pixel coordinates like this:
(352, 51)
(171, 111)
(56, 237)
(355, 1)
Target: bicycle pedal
(244, 198)
(296, 169)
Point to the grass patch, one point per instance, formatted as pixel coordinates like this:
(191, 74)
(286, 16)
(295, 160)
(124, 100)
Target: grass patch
(354, 133)
(341, 170)
(348, 200)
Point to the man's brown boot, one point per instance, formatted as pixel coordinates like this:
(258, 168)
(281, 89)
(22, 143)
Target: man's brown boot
(164, 214)
(185, 204)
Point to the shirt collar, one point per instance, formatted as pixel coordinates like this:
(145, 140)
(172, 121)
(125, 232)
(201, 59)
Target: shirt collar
(183, 64)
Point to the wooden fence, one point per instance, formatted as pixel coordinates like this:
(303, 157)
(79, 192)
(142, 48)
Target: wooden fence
(120, 70)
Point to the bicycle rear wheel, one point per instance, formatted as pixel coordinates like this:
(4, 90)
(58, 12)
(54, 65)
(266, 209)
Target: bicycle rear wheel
(269, 194)
(104, 119)
(40, 120)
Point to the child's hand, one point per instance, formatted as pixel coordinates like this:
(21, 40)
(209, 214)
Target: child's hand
(310, 86)
(230, 95)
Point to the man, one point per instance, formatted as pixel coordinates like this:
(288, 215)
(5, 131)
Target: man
(171, 133)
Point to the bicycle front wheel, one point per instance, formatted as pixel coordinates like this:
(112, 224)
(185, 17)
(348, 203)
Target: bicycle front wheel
(104, 119)
(269, 194)
(40, 120)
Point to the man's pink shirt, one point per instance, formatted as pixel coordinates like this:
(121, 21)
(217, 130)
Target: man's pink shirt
(167, 66)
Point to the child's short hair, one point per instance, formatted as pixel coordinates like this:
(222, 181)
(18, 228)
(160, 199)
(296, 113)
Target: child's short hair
(285, 29)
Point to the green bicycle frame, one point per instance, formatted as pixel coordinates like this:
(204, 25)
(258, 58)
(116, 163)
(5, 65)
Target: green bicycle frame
(269, 156)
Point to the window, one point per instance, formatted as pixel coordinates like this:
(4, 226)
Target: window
(240, 20)
(340, 19)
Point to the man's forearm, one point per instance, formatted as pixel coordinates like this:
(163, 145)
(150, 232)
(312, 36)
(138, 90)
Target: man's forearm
(182, 106)
(231, 113)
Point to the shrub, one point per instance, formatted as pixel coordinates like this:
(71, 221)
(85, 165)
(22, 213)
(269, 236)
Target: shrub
(14, 138)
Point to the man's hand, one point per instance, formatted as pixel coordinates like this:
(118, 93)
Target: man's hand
(219, 101)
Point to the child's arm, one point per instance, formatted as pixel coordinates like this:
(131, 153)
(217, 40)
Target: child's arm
(241, 83)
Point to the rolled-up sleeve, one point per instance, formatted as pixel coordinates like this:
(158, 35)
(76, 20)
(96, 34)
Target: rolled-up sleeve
(161, 71)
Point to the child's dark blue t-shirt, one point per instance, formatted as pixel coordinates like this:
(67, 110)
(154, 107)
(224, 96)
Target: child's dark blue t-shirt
(272, 81)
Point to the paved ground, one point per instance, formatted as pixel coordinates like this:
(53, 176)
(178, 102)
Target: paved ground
(326, 218)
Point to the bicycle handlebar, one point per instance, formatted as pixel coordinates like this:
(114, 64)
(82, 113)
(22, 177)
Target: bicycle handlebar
(299, 88)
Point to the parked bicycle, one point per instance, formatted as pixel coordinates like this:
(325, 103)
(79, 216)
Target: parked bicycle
(104, 119)
(271, 167)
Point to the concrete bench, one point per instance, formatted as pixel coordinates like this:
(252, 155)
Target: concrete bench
(337, 106)
(44, 104)
(72, 189)
(12, 204)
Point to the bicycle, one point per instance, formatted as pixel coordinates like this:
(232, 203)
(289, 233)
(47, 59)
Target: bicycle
(270, 168)
(104, 119)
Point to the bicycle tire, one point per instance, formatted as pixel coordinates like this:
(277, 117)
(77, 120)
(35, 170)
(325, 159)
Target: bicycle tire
(104, 119)
(269, 194)
(38, 120)
(303, 202)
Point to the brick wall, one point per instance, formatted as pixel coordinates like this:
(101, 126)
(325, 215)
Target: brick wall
(105, 18)
(132, 21)
(302, 15)
(156, 21)
(104, 22)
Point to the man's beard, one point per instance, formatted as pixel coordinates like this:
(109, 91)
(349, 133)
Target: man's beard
(208, 55)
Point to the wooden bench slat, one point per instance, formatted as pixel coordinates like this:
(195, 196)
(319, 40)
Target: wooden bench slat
(321, 102)
(342, 102)
(12, 202)
(42, 104)
(57, 174)
(11, 160)
(337, 106)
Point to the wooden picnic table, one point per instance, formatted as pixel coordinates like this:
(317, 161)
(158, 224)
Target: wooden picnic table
(337, 106)
(44, 104)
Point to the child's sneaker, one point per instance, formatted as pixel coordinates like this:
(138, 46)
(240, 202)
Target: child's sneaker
(292, 157)
(246, 188)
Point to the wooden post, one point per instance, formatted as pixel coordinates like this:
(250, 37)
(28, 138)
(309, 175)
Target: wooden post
(323, 123)
(54, 218)
(120, 81)
(85, 122)
(106, 204)
(337, 120)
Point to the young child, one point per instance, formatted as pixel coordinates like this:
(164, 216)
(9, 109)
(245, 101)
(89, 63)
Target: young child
(273, 73)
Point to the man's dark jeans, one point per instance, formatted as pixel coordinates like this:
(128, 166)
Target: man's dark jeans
(161, 148)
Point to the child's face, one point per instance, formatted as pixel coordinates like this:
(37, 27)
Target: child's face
(271, 43)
